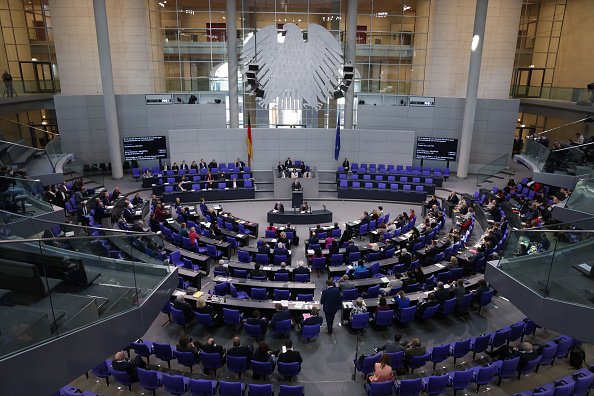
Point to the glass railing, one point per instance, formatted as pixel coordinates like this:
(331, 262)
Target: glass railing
(85, 170)
(561, 94)
(553, 264)
(56, 278)
(23, 196)
(582, 197)
(55, 151)
(487, 171)
(536, 152)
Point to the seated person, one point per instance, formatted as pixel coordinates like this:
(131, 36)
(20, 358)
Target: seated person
(279, 207)
(221, 267)
(203, 308)
(181, 304)
(427, 302)
(280, 314)
(382, 305)
(382, 371)
(294, 173)
(391, 346)
(483, 286)
(304, 208)
(281, 170)
(264, 354)
(239, 350)
(264, 248)
(186, 345)
(360, 266)
(281, 250)
(256, 320)
(120, 363)
(256, 272)
(395, 283)
(317, 254)
(358, 307)
(310, 319)
(290, 356)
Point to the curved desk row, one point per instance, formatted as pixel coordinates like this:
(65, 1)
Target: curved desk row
(315, 217)
(210, 195)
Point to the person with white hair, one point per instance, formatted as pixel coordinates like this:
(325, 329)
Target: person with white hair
(301, 269)
(281, 250)
(120, 363)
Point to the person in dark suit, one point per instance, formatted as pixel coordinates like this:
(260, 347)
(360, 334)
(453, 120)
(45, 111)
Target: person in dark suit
(283, 268)
(433, 251)
(453, 198)
(221, 267)
(184, 166)
(256, 320)
(239, 163)
(137, 199)
(288, 163)
(280, 314)
(483, 287)
(84, 214)
(257, 272)
(290, 356)
(137, 227)
(105, 199)
(296, 186)
(312, 320)
(304, 208)
(457, 290)
(526, 353)
(211, 347)
(346, 164)
(280, 207)
(120, 363)
(264, 249)
(281, 250)
(352, 247)
(175, 167)
(202, 164)
(115, 194)
(281, 170)
(314, 239)
(365, 218)
(213, 164)
(331, 301)
(427, 302)
(181, 304)
(441, 294)
(239, 350)
(405, 258)
(334, 249)
(301, 269)
(99, 212)
(129, 214)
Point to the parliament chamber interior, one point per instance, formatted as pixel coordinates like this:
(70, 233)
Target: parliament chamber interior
(296, 197)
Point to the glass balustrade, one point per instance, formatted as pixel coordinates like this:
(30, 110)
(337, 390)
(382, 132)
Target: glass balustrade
(536, 152)
(487, 171)
(23, 196)
(56, 278)
(582, 197)
(554, 264)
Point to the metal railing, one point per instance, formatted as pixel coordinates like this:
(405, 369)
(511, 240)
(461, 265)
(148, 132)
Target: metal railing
(562, 94)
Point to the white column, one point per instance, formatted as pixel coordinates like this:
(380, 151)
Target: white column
(350, 56)
(109, 100)
(232, 63)
(474, 72)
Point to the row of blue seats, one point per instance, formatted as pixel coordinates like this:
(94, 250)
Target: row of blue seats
(171, 180)
(248, 183)
(402, 179)
(408, 169)
(344, 184)
(576, 384)
(178, 385)
(157, 171)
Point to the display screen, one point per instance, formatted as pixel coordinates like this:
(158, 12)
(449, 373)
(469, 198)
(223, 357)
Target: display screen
(145, 148)
(435, 148)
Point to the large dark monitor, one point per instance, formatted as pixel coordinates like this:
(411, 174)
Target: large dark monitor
(145, 148)
(436, 148)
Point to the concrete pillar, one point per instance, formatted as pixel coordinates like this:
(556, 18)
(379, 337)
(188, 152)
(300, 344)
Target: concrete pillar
(350, 56)
(232, 63)
(474, 72)
(109, 100)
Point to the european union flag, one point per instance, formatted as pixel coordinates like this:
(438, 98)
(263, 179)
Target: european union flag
(337, 145)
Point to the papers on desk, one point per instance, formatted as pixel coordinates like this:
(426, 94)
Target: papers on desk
(207, 225)
(266, 268)
(585, 266)
(69, 233)
(310, 251)
(240, 235)
(109, 207)
(440, 265)
(347, 304)
(385, 279)
(302, 212)
(306, 315)
(273, 240)
(472, 250)
(217, 207)
(178, 293)
(274, 211)
(138, 213)
(198, 294)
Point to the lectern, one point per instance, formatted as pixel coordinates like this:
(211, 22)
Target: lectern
(297, 199)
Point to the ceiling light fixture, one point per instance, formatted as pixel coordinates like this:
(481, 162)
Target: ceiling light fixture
(475, 42)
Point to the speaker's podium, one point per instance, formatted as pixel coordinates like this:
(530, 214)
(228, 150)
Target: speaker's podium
(297, 199)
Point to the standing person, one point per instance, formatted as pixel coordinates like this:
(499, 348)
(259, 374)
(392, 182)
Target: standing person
(331, 300)
(8, 88)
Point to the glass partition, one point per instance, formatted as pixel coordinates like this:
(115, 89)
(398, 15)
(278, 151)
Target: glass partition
(555, 264)
(487, 171)
(23, 196)
(56, 278)
(582, 197)
(55, 150)
(84, 169)
(536, 152)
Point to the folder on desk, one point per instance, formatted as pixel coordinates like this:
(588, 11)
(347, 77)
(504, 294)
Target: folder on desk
(198, 294)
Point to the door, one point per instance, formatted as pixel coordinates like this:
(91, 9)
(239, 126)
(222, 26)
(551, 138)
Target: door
(528, 82)
(37, 77)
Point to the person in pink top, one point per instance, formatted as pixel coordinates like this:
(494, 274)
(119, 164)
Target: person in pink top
(382, 371)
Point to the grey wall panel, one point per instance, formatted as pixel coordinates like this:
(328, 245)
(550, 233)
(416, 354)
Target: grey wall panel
(131, 100)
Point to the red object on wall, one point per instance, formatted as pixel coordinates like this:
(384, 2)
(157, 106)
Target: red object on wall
(216, 32)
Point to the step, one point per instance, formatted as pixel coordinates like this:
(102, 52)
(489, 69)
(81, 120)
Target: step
(111, 296)
(78, 310)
